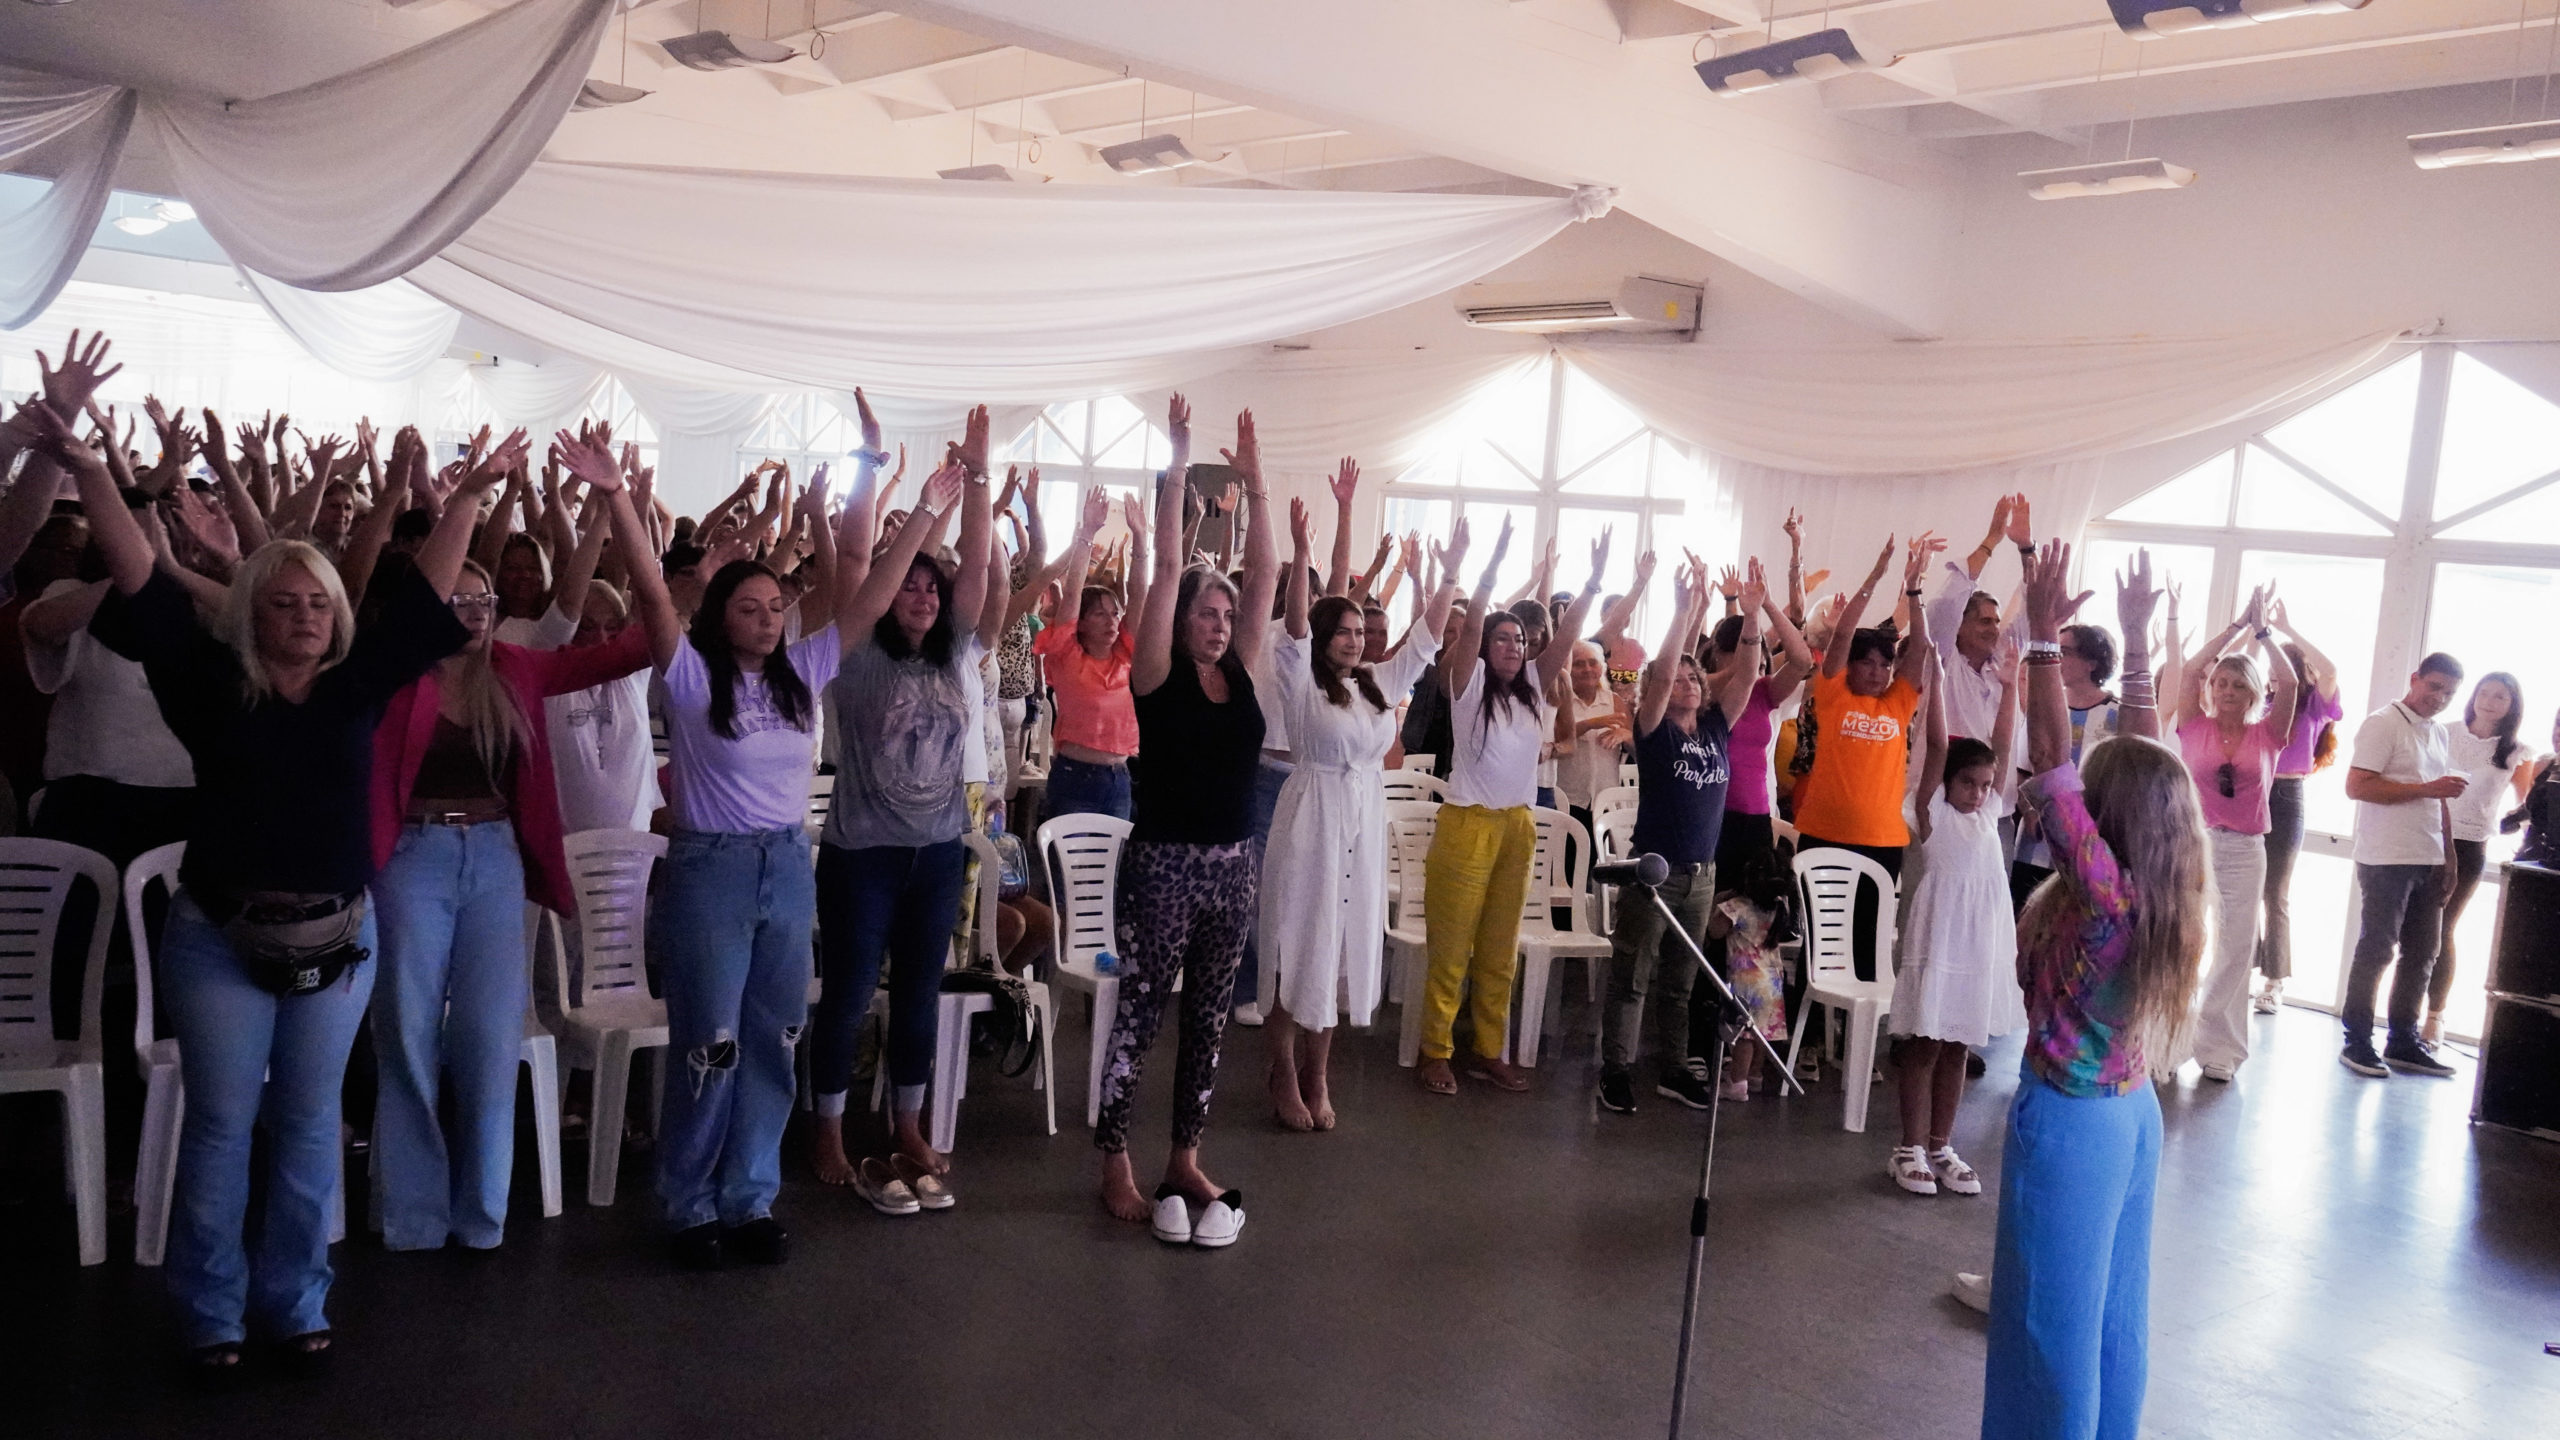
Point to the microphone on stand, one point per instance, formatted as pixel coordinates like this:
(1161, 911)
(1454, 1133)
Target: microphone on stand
(1647, 870)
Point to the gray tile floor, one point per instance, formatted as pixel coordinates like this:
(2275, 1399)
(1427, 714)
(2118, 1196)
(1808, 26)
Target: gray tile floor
(2335, 1258)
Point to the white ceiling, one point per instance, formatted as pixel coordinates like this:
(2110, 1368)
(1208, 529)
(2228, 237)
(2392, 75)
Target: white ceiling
(1849, 193)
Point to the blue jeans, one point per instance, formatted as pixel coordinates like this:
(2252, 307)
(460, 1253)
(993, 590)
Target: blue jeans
(453, 991)
(892, 902)
(730, 930)
(1077, 788)
(1268, 777)
(248, 1055)
(2071, 1278)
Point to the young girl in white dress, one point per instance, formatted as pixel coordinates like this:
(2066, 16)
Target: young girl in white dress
(1957, 985)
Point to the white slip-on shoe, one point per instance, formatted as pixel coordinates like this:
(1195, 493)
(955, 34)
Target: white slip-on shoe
(1173, 1216)
(1249, 1015)
(1220, 1222)
(1974, 1290)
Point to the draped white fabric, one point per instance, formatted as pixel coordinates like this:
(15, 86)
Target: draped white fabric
(1312, 407)
(391, 331)
(1963, 405)
(691, 410)
(352, 181)
(1847, 517)
(939, 291)
(41, 244)
(541, 398)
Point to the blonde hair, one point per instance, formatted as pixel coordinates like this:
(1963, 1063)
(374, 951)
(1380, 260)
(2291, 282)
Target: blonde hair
(611, 594)
(2247, 670)
(2145, 805)
(487, 703)
(237, 625)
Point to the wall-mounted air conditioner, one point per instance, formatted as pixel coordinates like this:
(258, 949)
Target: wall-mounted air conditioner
(1642, 306)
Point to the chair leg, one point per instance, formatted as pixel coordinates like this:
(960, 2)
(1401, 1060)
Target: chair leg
(1795, 1032)
(1529, 1016)
(950, 1071)
(542, 1057)
(1864, 1017)
(155, 1169)
(1409, 1033)
(1106, 1006)
(84, 1156)
(604, 1124)
(1046, 1017)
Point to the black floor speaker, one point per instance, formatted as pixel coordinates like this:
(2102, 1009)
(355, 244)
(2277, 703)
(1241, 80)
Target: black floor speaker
(2527, 961)
(2520, 1067)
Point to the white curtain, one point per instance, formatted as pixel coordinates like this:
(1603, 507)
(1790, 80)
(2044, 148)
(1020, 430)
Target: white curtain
(1381, 407)
(41, 244)
(352, 181)
(1956, 406)
(541, 398)
(692, 410)
(1848, 517)
(391, 331)
(931, 290)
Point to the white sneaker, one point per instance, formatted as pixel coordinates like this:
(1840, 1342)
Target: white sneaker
(1955, 1175)
(1974, 1290)
(2220, 1074)
(2269, 999)
(1909, 1168)
(1249, 1015)
(1221, 1222)
(1173, 1217)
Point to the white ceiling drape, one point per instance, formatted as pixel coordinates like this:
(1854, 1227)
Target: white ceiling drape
(42, 243)
(391, 331)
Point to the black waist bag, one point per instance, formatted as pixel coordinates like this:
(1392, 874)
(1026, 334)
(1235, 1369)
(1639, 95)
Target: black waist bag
(1009, 1022)
(295, 944)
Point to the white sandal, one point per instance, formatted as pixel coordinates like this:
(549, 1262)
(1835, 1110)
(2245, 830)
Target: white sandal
(1909, 1168)
(1953, 1173)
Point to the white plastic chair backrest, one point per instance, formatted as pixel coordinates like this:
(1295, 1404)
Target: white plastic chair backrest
(1409, 837)
(36, 877)
(822, 798)
(1083, 855)
(1422, 763)
(151, 867)
(1827, 879)
(1609, 802)
(1626, 772)
(1414, 785)
(990, 886)
(1402, 810)
(1557, 870)
(1616, 841)
(609, 876)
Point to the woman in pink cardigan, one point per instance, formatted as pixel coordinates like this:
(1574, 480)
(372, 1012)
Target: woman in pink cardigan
(466, 826)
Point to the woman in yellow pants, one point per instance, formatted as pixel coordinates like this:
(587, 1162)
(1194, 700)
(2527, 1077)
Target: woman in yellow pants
(1481, 849)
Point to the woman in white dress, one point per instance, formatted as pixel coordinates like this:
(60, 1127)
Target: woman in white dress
(1957, 983)
(1324, 884)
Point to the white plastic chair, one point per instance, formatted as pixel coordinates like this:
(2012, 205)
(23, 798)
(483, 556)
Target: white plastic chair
(1626, 773)
(951, 1040)
(1556, 876)
(1613, 816)
(1414, 785)
(1409, 838)
(1827, 880)
(1422, 763)
(608, 1014)
(35, 891)
(1083, 857)
(164, 1096)
(1400, 810)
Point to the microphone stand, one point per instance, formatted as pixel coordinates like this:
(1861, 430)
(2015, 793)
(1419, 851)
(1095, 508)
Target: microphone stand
(1732, 1021)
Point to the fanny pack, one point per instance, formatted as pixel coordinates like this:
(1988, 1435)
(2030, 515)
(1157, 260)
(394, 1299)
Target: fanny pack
(294, 944)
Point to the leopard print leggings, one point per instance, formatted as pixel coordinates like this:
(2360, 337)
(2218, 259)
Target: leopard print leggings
(1184, 913)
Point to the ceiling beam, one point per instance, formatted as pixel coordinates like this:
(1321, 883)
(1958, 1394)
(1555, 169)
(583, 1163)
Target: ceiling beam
(1854, 220)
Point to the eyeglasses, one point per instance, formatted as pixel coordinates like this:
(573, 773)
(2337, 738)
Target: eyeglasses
(467, 604)
(2227, 780)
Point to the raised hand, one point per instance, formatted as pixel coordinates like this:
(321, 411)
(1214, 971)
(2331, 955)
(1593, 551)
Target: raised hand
(1097, 510)
(1755, 588)
(2000, 518)
(1884, 560)
(68, 386)
(208, 526)
(1246, 458)
(1177, 430)
(2136, 596)
(2022, 528)
(2007, 661)
(942, 488)
(1729, 583)
(589, 456)
(1133, 513)
(973, 444)
(1599, 555)
(501, 462)
(1454, 551)
(1301, 529)
(1794, 527)
(869, 422)
(1409, 554)
(1346, 481)
(2048, 592)
(1501, 547)
(813, 502)
(1916, 564)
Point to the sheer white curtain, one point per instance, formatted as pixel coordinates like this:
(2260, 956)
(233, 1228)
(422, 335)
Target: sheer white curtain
(391, 331)
(1848, 517)
(41, 243)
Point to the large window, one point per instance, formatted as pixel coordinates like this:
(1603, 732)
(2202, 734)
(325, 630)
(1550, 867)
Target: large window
(1079, 443)
(1562, 458)
(803, 431)
(2417, 509)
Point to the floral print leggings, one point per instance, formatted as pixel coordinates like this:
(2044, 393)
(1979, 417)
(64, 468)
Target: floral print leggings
(1184, 913)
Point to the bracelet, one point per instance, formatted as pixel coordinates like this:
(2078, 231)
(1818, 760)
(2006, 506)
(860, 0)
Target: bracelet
(1913, 592)
(2043, 647)
(2027, 549)
(2264, 634)
(872, 458)
(2054, 659)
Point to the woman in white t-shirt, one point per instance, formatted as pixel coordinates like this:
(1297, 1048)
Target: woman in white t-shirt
(730, 925)
(1478, 876)
(2499, 767)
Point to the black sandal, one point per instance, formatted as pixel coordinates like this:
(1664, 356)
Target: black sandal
(305, 1354)
(217, 1367)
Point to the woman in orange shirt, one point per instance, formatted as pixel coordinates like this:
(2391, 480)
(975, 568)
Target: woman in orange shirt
(1864, 698)
(1095, 729)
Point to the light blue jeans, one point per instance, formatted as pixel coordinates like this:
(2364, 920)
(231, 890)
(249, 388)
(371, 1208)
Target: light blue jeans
(730, 930)
(451, 1002)
(245, 1055)
(2071, 1274)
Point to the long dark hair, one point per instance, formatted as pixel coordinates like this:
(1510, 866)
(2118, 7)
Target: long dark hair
(936, 646)
(709, 634)
(2505, 754)
(1519, 690)
(1322, 623)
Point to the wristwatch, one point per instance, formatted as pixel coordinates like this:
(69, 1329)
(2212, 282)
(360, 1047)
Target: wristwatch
(2044, 647)
(873, 458)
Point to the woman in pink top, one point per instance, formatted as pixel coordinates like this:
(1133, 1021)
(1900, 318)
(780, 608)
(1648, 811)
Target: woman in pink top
(1095, 729)
(1746, 798)
(2233, 760)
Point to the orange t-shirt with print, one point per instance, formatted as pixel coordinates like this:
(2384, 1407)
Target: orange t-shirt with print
(1860, 763)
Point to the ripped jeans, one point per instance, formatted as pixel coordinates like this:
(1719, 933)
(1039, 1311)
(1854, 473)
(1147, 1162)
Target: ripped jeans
(730, 931)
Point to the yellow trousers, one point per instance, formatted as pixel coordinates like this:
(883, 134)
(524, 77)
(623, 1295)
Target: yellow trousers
(1476, 882)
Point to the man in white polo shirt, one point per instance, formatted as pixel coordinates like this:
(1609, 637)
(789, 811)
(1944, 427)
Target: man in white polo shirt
(2400, 778)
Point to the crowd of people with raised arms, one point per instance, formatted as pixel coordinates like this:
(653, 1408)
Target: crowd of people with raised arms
(373, 694)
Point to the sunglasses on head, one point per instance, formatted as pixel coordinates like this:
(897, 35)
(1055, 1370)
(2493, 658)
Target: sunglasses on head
(2227, 780)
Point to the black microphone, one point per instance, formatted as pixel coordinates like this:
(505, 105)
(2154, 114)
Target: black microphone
(1647, 870)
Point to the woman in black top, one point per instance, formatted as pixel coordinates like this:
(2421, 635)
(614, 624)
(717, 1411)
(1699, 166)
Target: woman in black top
(1189, 872)
(276, 701)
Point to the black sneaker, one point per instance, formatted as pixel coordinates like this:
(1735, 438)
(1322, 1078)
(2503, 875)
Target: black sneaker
(1687, 1086)
(2359, 1057)
(2412, 1056)
(696, 1247)
(1617, 1092)
(761, 1241)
